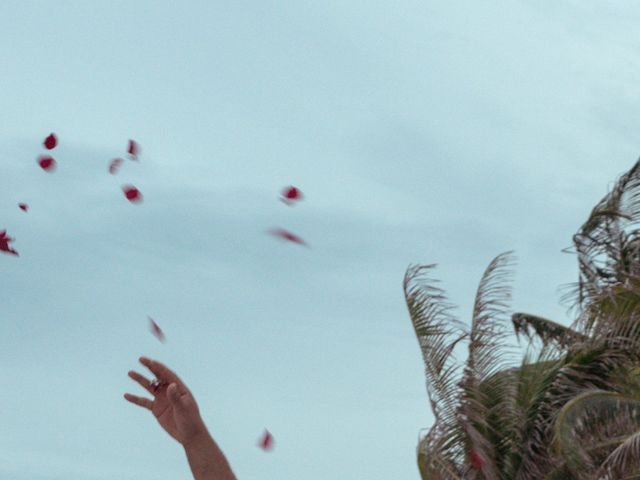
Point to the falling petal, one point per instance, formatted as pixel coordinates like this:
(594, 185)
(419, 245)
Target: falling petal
(286, 235)
(23, 206)
(132, 193)
(155, 329)
(290, 195)
(114, 165)
(47, 163)
(476, 460)
(266, 442)
(4, 243)
(133, 150)
(50, 142)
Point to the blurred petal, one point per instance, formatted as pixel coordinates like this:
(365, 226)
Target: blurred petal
(50, 142)
(476, 460)
(47, 163)
(133, 149)
(155, 329)
(290, 195)
(132, 193)
(266, 442)
(4, 243)
(114, 165)
(286, 235)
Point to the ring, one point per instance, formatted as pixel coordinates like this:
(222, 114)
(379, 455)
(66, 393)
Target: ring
(156, 384)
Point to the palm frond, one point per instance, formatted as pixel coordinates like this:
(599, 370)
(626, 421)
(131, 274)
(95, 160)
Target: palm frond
(599, 242)
(624, 459)
(532, 381)
(594, 434)
(431, 464)
(615, 315)
(487, 384)
(487, 342)
(592, 367)
(547, 330)
(438, 333)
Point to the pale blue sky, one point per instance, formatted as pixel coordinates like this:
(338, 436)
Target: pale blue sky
(419, 131)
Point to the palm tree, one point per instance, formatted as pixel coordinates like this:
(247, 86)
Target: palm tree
(569, 408)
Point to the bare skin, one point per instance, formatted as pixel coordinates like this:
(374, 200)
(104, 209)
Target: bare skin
(177, 412)
(181, 424)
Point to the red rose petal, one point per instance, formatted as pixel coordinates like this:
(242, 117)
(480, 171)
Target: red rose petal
(114, 165)
(50, 142)
(155, 329)
(47, 163)
(23, 206)
(476, 460)
(132, 193)
(133, 150)
(4, 243)
(266, 442)
(291, 195)
(286, 235)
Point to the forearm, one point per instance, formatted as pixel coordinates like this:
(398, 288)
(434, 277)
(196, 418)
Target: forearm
(206, 460)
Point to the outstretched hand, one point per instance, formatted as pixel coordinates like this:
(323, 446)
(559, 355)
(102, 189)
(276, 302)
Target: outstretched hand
(173, 405)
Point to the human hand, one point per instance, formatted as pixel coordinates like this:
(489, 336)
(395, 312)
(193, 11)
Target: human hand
(173, 405)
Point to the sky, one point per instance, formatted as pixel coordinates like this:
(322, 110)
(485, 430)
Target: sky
(419, 132)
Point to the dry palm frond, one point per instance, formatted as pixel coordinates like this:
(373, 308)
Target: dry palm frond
(487, 342)
(615, 315)
(591, 368)
(595, 434)
(487, 363)
(438, 333)
(601, 239)
(431, 464)
(625, 459)
(547, 330)
(570, 412)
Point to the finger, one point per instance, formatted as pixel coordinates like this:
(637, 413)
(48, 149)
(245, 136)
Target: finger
(141, 401)
(162, 372)
(143, 381)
